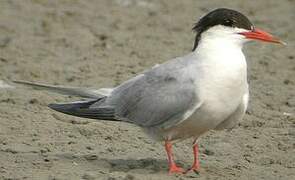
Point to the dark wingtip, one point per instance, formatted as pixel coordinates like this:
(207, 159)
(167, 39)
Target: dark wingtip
(57, 107)
(81, 109)
(52, 106)
(64, 108)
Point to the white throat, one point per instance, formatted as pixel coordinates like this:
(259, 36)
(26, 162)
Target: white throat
(222, 38)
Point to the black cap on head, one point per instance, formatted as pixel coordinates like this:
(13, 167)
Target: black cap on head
(221, 16)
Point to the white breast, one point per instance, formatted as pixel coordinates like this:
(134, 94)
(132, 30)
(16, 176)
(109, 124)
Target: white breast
(223, 71)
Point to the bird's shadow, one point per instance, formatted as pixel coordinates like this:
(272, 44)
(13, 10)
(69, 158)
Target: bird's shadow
(142, 166)
(147, 164)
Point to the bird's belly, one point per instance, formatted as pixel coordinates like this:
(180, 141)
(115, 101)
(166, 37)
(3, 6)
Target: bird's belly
(203, 120)
(211, 113)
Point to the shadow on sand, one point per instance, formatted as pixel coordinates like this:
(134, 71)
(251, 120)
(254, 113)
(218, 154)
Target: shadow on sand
(147, 165)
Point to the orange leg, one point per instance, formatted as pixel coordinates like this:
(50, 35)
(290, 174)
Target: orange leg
(196, 165)
(173, 168)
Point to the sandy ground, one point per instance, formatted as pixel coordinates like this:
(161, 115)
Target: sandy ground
(102, 43)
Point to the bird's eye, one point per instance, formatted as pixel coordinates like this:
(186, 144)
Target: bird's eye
(228, 22)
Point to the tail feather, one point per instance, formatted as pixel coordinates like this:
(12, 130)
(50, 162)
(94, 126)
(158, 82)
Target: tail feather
(84, 109)
(74, 91)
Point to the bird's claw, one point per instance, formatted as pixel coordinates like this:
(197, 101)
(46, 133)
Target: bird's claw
(176, 170)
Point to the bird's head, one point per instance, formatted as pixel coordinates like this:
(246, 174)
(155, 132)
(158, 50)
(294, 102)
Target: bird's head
(229, 25)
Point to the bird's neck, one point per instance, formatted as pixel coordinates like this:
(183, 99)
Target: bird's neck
(222, 56)
(223, 65)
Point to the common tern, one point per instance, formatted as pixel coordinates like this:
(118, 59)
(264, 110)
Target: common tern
(185, 97)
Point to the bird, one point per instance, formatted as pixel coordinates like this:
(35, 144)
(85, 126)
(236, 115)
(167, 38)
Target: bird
(185, 97)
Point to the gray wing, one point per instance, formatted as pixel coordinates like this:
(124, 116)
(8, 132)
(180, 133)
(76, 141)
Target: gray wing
(160, 97)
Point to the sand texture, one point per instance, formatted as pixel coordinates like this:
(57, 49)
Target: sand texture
(101, 43)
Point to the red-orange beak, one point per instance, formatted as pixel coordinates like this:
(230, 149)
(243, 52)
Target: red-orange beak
(261, 35)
